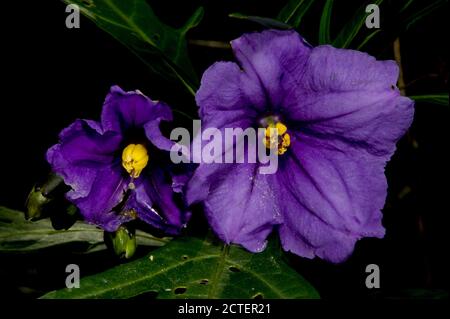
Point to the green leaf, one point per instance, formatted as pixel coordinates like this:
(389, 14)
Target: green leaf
(406, 5)
(133, 23)
(353, 27)
(367, 39)
(20, 235)
(415, 17)
(266, 22)
(193, 268)
(324, 29)
(292, 14)
(440, 99)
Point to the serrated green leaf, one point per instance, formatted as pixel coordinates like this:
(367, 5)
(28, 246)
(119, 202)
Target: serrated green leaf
(353, 27)
(194, 268)
(325, 19)
(133, 23)
(440, 99)
(266, 22)
(20, 235)
(293, 12)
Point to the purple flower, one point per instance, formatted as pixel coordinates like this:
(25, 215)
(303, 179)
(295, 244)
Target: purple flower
(117, 168)
(338, 115)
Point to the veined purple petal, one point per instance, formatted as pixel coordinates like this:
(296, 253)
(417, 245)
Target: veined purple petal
(352, 96)
(107, 191)
(240, 203)
(228, 91)
(331, 195)
(274, 61)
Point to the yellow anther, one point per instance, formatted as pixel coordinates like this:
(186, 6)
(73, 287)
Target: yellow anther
(285, 142)
(277, 138)
(134, 159)
(281, 128)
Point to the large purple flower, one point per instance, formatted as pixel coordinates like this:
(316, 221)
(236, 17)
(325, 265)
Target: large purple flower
(118, 169)
(338, 114)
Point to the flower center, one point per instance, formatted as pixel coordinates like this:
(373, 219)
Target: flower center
(276, 137)
(134, 159)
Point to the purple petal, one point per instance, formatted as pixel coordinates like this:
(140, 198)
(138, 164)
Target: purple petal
(331, 196)
(181, 179)
(123, 110)
(227, 95)
(108, 189)
(273, 60)
(239, 203)
(227, 98)
(154, 134)
(82, 150)
(85, 159)
(84, 144)
(156, 203)
(350, 95)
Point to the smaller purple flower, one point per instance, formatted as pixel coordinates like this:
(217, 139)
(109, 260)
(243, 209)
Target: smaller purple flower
(117, 168)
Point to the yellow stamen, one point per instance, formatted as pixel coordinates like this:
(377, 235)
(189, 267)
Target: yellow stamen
(277, 137)
(281, 128)
(134, 159)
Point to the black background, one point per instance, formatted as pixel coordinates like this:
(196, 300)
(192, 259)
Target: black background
(53, 75)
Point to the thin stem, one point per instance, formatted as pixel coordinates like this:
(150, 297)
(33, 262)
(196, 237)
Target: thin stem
(398, 59)
(211, 44)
